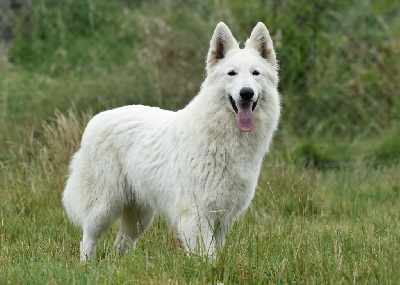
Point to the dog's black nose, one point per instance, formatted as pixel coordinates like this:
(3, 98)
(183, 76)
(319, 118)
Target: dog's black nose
(246, 93)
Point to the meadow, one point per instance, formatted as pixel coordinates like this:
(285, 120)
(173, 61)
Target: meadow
(327, 205)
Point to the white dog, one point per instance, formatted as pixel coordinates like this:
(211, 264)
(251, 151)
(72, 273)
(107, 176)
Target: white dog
(198, 167)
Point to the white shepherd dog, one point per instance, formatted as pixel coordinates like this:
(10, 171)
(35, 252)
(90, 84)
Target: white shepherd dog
(198, 166)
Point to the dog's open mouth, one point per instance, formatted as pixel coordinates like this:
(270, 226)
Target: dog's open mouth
(244, 112)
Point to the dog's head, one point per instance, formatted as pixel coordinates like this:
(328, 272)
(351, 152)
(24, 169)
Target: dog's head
(245, 76)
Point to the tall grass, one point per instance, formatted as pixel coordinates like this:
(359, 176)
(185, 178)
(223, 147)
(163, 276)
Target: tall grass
(304, 226)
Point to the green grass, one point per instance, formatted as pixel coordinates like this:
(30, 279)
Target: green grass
(304, 225)
(328, 200)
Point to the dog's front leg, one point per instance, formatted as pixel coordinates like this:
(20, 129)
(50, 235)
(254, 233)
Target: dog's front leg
(197, 234)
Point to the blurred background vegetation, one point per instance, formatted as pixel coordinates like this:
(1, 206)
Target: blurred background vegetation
(339, 66)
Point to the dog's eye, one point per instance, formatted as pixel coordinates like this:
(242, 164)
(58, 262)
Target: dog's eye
(255, 72)
(232, 73)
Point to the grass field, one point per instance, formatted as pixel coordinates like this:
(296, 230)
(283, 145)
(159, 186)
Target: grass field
(305, 225)
(327, 205)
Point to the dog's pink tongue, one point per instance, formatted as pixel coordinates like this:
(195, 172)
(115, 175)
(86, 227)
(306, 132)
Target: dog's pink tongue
(245, 117)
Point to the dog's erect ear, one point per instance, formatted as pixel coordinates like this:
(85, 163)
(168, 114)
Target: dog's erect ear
(221, 42)
(262, 42)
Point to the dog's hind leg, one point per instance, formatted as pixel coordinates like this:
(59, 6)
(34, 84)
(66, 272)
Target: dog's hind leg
(96, 222)
(135, 221)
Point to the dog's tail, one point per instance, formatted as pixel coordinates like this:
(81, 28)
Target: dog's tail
(76, 189)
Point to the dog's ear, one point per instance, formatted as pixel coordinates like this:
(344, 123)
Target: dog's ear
(221, 42)
(262, 42)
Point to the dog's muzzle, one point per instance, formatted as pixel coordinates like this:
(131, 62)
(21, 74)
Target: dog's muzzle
(244, 109)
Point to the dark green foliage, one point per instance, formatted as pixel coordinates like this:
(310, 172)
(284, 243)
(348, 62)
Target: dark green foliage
(337, 58)
(308, 154)
(389, 147)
